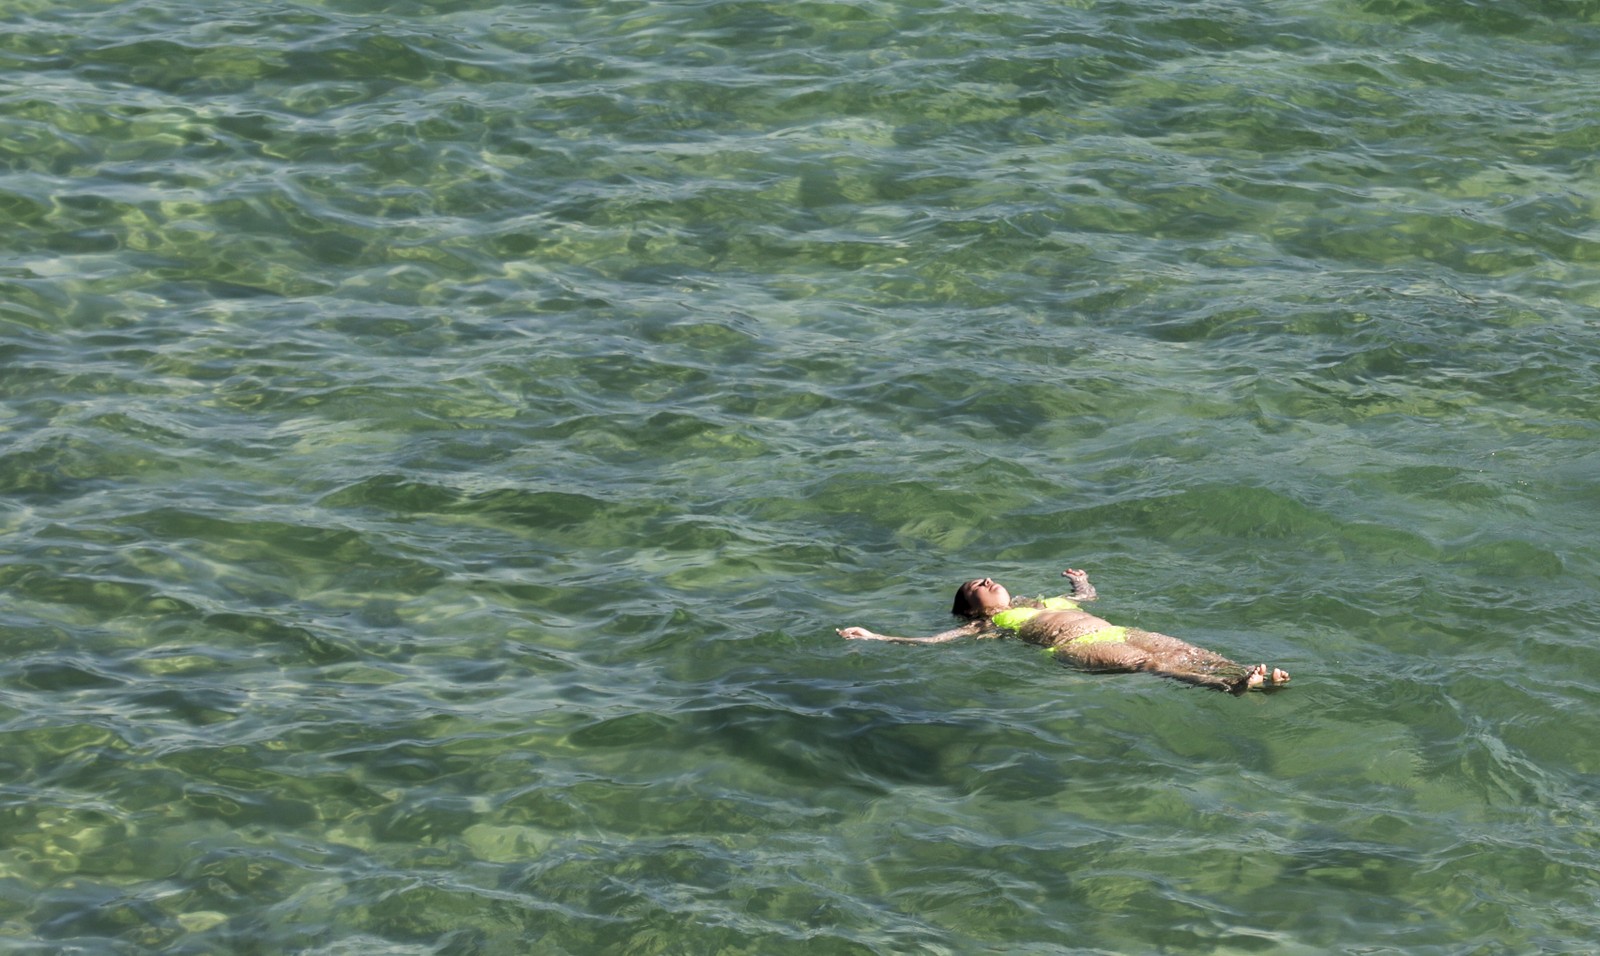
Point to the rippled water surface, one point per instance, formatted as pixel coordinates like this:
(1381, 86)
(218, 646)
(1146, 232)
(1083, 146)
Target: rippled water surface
(438, 442)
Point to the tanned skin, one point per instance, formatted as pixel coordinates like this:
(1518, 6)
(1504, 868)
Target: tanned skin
(1135, 650)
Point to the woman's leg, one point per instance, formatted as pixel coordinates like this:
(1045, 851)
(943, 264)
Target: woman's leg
(1167, 647)
(1180, 660)
(1103, 656)
(1166, 656)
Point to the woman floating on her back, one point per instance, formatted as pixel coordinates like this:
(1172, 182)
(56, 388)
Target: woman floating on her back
(1078, 637)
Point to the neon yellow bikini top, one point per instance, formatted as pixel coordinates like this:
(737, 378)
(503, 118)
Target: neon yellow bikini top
(1012, 618)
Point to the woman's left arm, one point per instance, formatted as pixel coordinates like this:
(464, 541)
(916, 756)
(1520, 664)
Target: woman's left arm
(969, 629)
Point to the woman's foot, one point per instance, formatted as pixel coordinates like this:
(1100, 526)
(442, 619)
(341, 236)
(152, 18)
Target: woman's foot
(1258, 676)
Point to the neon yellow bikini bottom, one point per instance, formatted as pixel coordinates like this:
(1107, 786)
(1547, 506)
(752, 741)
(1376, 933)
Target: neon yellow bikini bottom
(1013, 618)
(1106, 635)
(1112, 634)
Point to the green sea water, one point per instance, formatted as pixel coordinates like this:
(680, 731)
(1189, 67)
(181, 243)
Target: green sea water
(439, 440)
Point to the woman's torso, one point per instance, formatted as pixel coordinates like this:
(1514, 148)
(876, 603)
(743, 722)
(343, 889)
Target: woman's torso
(1050, 627)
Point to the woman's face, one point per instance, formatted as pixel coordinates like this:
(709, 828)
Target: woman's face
(981, 598)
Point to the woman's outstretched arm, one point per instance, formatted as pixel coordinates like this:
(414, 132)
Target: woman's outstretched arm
(969, 629)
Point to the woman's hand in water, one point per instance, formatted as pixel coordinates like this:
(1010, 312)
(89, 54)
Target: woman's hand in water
(857, 634)
(1081, 588)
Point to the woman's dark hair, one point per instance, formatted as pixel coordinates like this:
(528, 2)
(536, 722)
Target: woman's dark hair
(967, 603)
